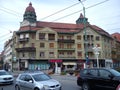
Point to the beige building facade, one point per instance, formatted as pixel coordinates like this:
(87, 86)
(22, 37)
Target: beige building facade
(40, 44)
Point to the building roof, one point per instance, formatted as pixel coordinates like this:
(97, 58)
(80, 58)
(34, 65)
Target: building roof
(116, 36)
(61, 27)
(64, 27)
(30, 8)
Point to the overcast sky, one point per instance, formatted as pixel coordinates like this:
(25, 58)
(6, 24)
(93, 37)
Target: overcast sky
(103, 13)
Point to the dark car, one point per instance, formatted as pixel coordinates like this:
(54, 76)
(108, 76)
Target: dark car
(104, 78)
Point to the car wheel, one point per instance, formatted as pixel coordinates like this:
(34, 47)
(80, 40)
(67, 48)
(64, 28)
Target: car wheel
(85, 86)
(36, 89)
(17, 87)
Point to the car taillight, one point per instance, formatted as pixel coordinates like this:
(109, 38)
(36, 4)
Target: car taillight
(118, 87)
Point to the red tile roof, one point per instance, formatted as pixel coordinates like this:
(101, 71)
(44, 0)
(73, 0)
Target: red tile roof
(116, 36)
(64, 27)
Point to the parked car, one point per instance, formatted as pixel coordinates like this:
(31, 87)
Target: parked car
(6, 78)
(36, 80)
(104, 78)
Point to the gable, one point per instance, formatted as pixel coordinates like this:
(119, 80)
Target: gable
(46, 30)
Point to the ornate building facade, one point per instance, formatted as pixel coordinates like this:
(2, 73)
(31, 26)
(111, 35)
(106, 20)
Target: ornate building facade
(41, 44)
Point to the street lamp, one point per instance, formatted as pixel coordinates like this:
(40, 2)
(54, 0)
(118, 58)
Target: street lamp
(84, 20)
(96, 50)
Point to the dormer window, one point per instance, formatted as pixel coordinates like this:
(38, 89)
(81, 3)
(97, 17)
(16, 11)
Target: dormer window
(27, 36)
(21, 36)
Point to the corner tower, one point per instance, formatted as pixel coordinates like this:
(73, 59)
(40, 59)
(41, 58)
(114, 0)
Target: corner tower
(80, 20)
(30, 14)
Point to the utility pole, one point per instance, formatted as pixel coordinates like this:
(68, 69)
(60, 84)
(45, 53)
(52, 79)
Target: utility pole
(85, 34)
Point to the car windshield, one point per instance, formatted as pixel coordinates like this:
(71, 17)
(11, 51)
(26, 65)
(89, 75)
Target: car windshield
(41, 77)
(3, 73)
(116, 73)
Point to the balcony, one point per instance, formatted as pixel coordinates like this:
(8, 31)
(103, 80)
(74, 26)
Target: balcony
(66, 41)
(66, 57)
(66, 49)
(23, 40)
(90, 49)
(26, 49)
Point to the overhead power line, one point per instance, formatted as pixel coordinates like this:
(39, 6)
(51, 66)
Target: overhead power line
(81, 10)
(9, 12)
(59, 11)
(62, 10)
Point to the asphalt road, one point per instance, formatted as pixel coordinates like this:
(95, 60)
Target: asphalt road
(68, 83)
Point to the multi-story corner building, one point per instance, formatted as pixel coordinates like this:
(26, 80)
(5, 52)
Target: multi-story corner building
(116, 50)
(8, 55)
(41, 44)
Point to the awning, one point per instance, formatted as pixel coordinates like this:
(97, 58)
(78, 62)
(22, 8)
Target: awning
(69, 63)
(53, 60)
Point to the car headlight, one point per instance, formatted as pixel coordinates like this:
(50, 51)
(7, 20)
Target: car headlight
(46, 87)
(1, 78)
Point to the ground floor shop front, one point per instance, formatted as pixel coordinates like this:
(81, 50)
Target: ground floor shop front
(63, 64)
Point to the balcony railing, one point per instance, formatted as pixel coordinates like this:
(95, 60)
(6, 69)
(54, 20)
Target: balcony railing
(24, 40)
(28, 49)
(62, 56)
(66, 49)
(66, 40)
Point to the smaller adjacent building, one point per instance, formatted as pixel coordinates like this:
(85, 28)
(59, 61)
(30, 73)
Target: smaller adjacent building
(116, 50)
(7, 59)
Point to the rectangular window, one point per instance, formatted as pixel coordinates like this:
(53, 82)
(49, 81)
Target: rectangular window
(69, 53)
(79, 54)
(27, 36)
(97, 38)
(42, 45)
(23, 44)
(69, 37)
(51, 36)
(51, 54)
(42, 54)
(61, 37)
(69, 46)
(32, 54)
(61, 45)
(33, 36)
(21, 36)
(42, 36)
(79, 46)
(51, 45)
(79, 37)
(32, 45)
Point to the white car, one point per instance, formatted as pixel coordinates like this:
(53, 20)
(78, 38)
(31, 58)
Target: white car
(6, 78)
(36, 80)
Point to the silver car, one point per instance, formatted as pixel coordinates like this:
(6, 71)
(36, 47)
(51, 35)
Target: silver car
(36, 81)
(5, 77)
